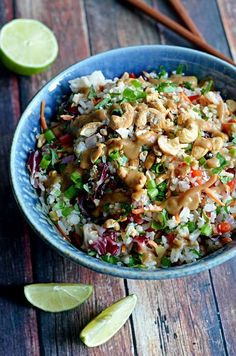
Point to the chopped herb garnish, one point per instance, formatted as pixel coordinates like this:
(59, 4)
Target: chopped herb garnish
(136, 83)
(135, 261)
(113, 155)
(160, 220)
(225, 179)
(189, 147)
(180, 69)
(71, 192)
(166, 87)
(163, 72)
(207, 87)
(206, 230)
(45, 162)
(165, 262)
(130, 95)
(49, 135)
(77, 179)
(86, 187)
(106, 207)
(222, 162)
(158, 168)
(188, 160)
(191, 226)
(54, 157)
(102, 103)
(126, 208)
(193, 250)
(202, 161)
(91, 93)
(66, 211)
(188, 86)
(92, 253)
(110, 259)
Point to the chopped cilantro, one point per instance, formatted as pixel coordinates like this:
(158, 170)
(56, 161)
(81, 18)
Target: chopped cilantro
(113, 155)
(166, 87)
(66, 211)
(206, 230)
(160, 220)
(191, 226)
(136, 83)
(222, 162)
(225, 179)
(106, 207)
(162, 73)
(45, 162)
(77, 179)
(193, 250)
(202, 161)
(135, 261)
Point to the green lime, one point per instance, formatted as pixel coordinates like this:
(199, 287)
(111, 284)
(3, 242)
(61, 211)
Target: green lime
(27, 46)
(54, 297)
(108, 322)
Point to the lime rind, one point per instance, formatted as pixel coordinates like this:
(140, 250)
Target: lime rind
(54, 297)
(27, 46)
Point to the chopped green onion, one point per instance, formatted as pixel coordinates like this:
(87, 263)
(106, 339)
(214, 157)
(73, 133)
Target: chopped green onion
(113, 155)
(160, 220)
(75, 176)
(180, 68)
(135, 261)
(188, 160)
(225, 179)
(45, 162)
(222, 162)
(191, 226)
(165, 262)
(49, 135)
(129, 94)
(110, 259)
(166, 87)
(158, 168)
(188, 86)
(54, 157)
(206, 230)
(202, 161)
(162, 72)
(208, 87)
(66, 211)
(136, 83)
(102, 103)
(71, 192)
(151, 184)
(153, 193)
(193, 250)
(91, 93)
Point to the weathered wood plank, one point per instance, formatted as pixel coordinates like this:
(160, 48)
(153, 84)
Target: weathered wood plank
(59, 334)
(18, 322)
(228, 14)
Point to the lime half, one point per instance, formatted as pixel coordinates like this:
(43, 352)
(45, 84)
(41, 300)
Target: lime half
(27, 46)
(108, 322)
(54, 297)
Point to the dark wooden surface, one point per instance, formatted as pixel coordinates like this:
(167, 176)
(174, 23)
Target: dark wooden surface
(191, 316)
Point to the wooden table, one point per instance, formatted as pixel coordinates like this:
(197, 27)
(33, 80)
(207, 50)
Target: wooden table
(190, 316)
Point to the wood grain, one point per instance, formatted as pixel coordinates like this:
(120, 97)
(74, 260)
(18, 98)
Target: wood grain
(228, 15)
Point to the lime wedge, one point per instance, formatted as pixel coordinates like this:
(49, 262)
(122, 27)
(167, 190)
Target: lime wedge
(53, 297)
(108, 322)
(27, 46)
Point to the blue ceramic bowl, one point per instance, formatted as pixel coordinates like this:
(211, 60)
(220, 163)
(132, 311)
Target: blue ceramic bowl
(112, 63)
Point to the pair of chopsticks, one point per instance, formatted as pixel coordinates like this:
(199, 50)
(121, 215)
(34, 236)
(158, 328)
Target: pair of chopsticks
(192, 33)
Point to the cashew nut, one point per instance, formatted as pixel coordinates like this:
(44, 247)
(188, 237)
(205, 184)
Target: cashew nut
(124, 121)
(114, 144)
(90, 233)
(151, 115)
(189, 134)
(134, 179)
(231, 105)
(180, 79)
(90, 129)
(201, 147)
(222, 110)
(97, 152)
(111, 223)
(217, 144)
(169, 146)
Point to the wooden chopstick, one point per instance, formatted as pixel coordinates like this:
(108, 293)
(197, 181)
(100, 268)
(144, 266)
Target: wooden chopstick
(174, 26)
(183, 14)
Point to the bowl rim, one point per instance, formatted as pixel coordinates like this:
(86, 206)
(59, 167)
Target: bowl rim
(81, 257)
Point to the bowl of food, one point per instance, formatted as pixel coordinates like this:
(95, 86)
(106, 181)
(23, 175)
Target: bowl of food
(125, 162)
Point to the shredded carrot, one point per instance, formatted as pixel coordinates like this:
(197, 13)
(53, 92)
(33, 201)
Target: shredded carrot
(177, 218)
(232, 203)
(152, 243)
(138, 211)
(226, 240)
(43, 123)
(210, 193)
(153, 208)
(184, 96)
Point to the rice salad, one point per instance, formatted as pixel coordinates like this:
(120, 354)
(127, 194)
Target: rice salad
(140, 170)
